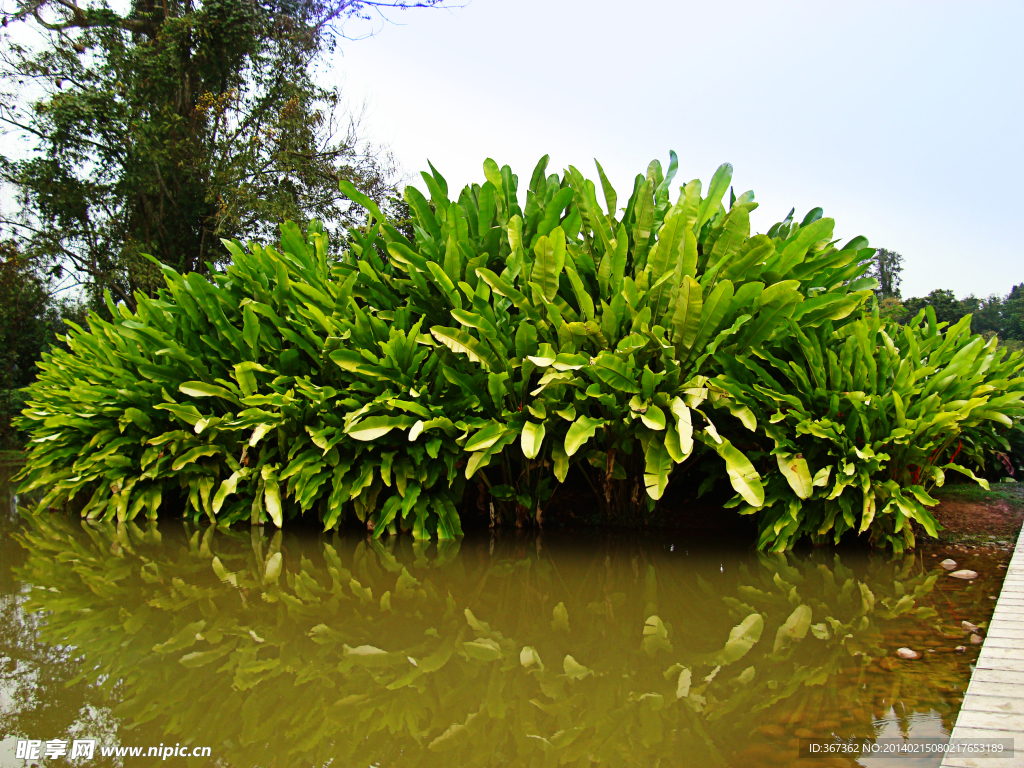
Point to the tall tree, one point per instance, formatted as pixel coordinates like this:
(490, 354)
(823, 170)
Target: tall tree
(886, 268)
(164, 127)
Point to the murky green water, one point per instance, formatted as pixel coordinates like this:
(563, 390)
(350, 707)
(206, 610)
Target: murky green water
(520, 650)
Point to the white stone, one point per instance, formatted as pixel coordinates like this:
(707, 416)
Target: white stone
(965, 574)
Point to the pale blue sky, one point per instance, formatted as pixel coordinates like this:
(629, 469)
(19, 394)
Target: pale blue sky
(901, 119)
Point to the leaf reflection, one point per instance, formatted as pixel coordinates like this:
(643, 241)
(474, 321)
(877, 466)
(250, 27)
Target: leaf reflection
(287, 651)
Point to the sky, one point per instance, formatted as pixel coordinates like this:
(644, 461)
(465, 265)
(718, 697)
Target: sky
(902, 120)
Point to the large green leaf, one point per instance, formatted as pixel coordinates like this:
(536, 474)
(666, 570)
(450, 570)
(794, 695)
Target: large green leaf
(352, 193)
(192, 454)
(609, 191)
(560, 460)
(764, 324)
(742, 475)
(202, 389)
(584, 299)
(226, 489)
(580, 432)
(716, 191)
(550, 258)
(531, 439)
(794, 468)
(272, 497)
(712, 314)
(614, 372)
(686, 315)
(683, 424)
(460, 342)
(485, 437)
(372, 427)
(657, 468)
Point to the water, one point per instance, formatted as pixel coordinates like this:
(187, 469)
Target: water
(297, 649)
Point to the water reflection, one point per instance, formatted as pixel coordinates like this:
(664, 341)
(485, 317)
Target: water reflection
(512, 651)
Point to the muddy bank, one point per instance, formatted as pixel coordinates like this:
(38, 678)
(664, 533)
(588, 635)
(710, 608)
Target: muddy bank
(970, 514)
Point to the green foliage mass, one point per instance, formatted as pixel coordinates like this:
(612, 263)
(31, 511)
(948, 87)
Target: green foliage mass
(867, 418)
(508, 346)
(1001, 316)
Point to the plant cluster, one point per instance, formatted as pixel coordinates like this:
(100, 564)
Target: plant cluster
(505, 346)
(867, 418)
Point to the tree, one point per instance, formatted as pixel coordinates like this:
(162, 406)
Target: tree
(1013, 314)
(163, 129)
(986, 314)
(29, 319)
(992, 316)
(886, 267)
(947, 308)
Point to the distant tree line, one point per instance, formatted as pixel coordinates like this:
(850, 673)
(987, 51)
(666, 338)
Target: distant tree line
(994, 315)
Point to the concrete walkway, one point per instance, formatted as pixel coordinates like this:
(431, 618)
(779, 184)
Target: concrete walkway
(993, 707)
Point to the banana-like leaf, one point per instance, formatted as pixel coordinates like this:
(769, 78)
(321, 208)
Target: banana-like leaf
(716, 191)
(461, 342)
(794, 468)
(202, 389)
(614, 372)
(744, 478)
(686, 316)
(485, 437)
(550, 258)
(531, 439)
(373, 427)
(580, 432)
(658, 466)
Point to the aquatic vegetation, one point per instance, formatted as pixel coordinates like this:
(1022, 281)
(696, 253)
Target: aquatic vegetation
(490, 354)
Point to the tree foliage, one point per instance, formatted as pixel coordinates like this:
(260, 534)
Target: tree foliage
(887, 267)
(1001, 316)
(30, 318)
(165, 127)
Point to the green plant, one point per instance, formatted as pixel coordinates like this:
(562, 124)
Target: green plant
(865, 419)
